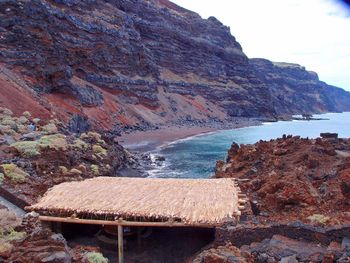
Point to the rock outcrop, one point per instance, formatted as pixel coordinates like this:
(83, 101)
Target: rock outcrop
(143, 63)
(292, 178)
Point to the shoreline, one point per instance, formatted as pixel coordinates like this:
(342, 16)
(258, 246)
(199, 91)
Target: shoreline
(151, 140)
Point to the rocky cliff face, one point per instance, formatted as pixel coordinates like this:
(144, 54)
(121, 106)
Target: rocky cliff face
(140, 63)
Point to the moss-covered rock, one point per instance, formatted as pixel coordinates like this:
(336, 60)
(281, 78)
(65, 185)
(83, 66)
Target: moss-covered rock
(27, 148)
(14, 173)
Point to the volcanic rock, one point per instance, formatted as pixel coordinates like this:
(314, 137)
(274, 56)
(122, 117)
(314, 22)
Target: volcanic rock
(142, 64)
(293, 178)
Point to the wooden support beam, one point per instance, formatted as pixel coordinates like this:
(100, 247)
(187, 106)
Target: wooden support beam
(120, 244)
(124, 222)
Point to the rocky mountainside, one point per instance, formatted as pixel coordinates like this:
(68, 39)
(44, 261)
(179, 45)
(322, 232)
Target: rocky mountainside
(113, 64)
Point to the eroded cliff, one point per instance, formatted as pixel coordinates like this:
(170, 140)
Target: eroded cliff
(125, 63)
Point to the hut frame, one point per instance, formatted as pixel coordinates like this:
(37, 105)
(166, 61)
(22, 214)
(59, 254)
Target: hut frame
(59, 204)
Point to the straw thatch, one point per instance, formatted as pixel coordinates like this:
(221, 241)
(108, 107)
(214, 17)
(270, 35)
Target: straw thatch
(190, 201)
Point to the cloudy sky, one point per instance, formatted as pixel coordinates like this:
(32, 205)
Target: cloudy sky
(313, 33)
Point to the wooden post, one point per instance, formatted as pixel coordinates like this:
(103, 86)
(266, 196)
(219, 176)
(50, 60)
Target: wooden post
(120, 244)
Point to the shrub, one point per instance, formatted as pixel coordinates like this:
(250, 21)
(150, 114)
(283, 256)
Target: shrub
(5, 246)
(12, 235)
(63, 170)
(318, 218)
(27, 148)
(7, 112)
(6, 130)
(22, 128)
(99, 150)
(27, 114)
(75, 172)
(80, 144)
(36, 120)
(8, 220)
(22, 120)
(91, 135)
(95, 257)
(8, 121)
(55, 141)
(50, 128)
(95, 169)
(14, 173)
(1, 178)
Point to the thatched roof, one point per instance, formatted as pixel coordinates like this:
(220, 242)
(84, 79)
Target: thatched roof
(189, 201)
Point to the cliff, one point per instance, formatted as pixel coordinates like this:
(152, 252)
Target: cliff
(116, 64)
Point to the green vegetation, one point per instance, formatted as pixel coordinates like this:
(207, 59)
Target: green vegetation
(22, 120)
(1, 178)
(50, 128)
(75, 172)
(8, 221)
(63, 170)
(54, 141)
(11, 235)
(32, 148)
(27, 148)
(318, 218)
(95, 257)
(95, 169)
(80, 144)
(91, 135)
(99, 150)
(14, 173)
(27, 114)
(8, 121)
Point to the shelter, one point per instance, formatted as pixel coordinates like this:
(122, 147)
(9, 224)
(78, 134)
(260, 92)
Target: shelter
(142, 202)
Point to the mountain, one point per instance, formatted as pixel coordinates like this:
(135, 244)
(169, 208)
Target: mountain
(114, 64)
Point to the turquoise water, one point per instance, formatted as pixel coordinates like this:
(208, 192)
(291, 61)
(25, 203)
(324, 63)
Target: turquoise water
(195, 157)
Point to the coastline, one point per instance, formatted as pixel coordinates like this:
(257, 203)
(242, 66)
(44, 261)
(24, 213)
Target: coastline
(150, 140)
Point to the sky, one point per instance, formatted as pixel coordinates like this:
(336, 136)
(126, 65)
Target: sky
(312, 33)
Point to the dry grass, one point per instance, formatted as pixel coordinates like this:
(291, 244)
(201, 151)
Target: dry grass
(191, 201)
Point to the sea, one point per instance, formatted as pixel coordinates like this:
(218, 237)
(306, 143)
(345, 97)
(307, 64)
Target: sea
(196, 156)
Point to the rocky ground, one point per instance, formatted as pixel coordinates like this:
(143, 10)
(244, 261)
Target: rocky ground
(298, 210)
(35, 155)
